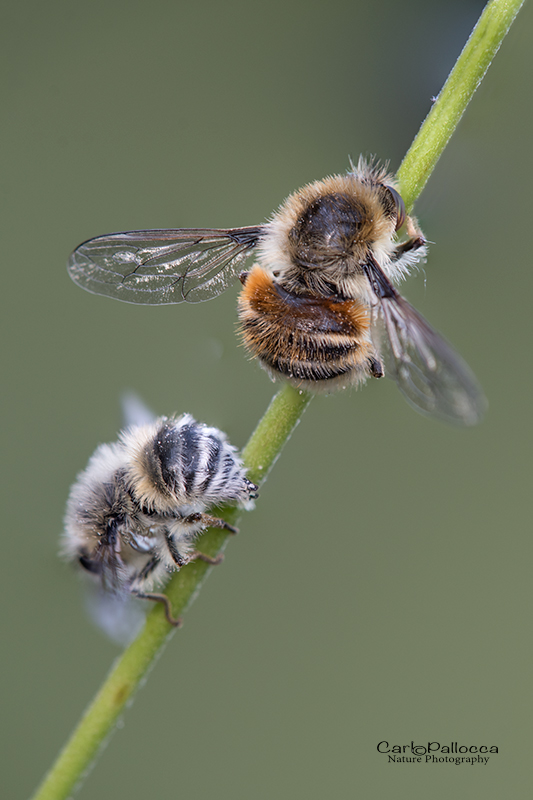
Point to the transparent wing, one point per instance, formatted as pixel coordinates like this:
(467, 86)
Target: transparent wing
(134, 411)
(120, 616)
(162, 266)
(433, 377)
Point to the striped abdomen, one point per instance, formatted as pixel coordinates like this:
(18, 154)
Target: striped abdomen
(313, 341)
(180, 462)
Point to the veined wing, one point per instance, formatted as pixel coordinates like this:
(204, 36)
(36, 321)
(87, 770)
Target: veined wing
(433, 377)
(162, 266)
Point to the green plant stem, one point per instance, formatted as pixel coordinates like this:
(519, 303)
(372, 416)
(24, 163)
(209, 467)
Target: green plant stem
(468, 72)
(273, 430)
(100, 719)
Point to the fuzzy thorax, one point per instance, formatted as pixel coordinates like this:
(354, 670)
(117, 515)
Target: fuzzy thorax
(321, 236)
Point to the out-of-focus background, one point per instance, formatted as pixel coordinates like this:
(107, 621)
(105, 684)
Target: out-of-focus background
(382, 588)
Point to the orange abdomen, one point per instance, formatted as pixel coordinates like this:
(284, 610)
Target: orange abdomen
(309, 340)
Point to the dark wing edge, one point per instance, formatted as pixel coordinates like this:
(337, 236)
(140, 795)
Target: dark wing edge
(159, 267)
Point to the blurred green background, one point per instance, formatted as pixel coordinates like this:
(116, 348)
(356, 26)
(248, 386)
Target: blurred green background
(382, 588)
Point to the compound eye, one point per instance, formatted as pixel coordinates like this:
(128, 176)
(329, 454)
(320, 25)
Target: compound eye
(89, 564)
(400, 207)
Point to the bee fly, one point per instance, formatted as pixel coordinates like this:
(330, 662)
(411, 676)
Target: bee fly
(320, 307)
(134, 514)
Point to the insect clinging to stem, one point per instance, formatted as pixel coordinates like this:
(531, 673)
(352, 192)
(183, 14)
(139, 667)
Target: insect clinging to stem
(135, 513)
(319, 307)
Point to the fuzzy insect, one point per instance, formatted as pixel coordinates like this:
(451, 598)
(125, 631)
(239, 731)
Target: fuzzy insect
(320, 307)
(134, 514)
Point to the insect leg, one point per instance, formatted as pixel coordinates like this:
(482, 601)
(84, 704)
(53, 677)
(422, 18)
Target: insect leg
(415, 241)
(161, 598)
(173, 550)
(376, 368)
(196, 556)
(211, 522)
